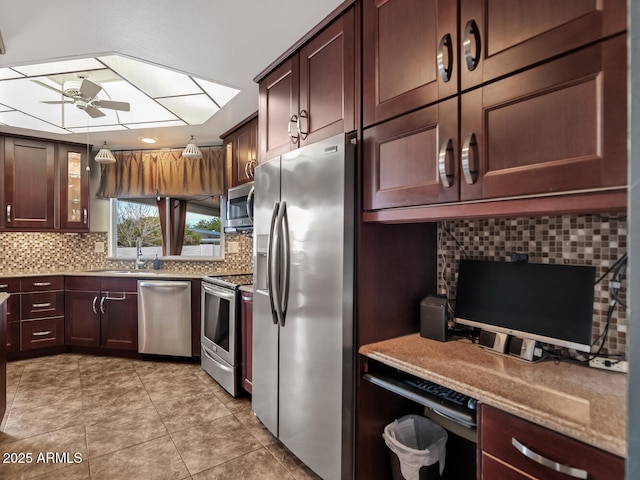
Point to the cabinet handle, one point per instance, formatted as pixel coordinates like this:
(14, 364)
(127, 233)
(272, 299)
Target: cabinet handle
(4, 285)
(252, 167)
(8, 213)
(445, 70)
(445, 168)
(246, 170)
(247, 298)
(558, 467)
(85, 216)
(119, 299)
(470, 172)
(305, 115)
(93, 305)
(41, 305)
(42, 334)
(42, 284)
(293, 119)
(471, 29)
(102, 305)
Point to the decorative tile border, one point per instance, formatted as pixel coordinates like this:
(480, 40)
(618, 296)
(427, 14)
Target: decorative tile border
(597, 240)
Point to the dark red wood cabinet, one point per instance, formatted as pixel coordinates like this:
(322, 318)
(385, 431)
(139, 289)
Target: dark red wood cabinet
(241, 151)
(310, 95)
(499, 456)
(42, 312)
(101, 312)
(246, 327)
(12, 287)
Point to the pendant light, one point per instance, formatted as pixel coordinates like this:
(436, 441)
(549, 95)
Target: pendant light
(105, 155)
(191, 151)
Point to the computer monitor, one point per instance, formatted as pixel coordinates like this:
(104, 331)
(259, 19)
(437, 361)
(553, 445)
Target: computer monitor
(543, 302)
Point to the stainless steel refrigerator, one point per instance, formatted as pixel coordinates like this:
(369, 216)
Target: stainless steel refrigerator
(303, 328)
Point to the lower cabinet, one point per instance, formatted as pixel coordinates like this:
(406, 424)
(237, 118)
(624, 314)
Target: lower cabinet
(101, 312)
(513, 448)
(12, 287)
(246, 328)
(41, 312)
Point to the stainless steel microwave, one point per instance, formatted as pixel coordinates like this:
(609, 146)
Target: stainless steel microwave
(240, 208)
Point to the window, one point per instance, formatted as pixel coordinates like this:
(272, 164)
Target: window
(140, 218)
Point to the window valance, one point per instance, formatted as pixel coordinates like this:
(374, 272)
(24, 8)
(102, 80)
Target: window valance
(163, 173)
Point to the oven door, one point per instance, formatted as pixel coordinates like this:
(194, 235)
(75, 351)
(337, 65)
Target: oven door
(219, 321)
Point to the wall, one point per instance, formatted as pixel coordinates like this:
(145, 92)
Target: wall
(51, 252)
(597, 240)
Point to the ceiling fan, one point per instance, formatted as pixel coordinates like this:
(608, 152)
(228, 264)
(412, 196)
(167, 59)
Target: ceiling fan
(82, 93)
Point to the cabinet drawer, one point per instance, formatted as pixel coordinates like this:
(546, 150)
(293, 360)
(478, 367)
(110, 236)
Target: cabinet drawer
(112, 284)
(83, 284)
(499, 430)
(493, 469)
(42, 304)
(39, 284)
(48, 332)
(9, 285)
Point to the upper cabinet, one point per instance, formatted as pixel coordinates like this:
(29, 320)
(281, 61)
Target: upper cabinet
(408, 55)
(530, 104)
(46, 186)
(241, 151)
(312, 94)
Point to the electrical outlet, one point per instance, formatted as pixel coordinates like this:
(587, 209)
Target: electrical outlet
(609, 364)
(99, 247)
(233, 247)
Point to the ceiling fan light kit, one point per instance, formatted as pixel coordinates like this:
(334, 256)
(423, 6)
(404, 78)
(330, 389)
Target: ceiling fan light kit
(191, 151)
(104, 155)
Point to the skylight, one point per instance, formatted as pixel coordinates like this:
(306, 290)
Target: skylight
(157, 97)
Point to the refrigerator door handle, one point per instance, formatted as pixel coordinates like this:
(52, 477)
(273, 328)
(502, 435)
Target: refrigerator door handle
(273, 241)
(281, 243)
(285, 263)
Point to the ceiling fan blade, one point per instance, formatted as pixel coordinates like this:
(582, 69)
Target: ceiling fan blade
(88, 89)
(94, 112)
(124, 106)
(47, 86)
(55, 102)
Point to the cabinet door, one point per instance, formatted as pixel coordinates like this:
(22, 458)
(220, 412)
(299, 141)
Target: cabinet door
(12, 287)
(119, 324)
(29, 173)
(402, 158)
(327, 82)
(502, 36)
(245, 153)
(559, 127)
(278, 106)
(74, 188)
(403, 41)
(82, 318)
(246, 316)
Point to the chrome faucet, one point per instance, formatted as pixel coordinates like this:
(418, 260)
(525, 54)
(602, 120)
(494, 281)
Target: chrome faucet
(139, 261)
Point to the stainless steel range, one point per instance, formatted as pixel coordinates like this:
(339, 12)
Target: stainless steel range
(220, 323)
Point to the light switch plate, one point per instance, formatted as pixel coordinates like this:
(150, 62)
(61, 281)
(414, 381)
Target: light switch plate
(98, 247)
(233, 247)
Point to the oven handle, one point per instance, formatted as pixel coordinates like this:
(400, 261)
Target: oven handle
(220, 365)
(218, 292)
(270, 266)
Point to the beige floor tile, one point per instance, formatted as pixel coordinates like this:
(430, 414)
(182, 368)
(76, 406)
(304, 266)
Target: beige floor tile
(99, 382)
(211, 444)
(79, 471)
(26, 420)
(298, 469)
(191, 411)
(91, 364)
(33, 394)
(249, 420)
(69, 441)
(162, 388)
(146, 368)
(156, 459)
(257, 465)
(124, 430)
(114, 401)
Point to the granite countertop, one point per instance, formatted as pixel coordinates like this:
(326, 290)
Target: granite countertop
(583, 403)
(118, 272)
(246, 288)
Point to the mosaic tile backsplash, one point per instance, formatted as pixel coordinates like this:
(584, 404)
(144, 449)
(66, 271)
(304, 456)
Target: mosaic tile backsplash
(597, 240)
(52, 252)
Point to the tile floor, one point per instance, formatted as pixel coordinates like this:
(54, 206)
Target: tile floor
(132, 419)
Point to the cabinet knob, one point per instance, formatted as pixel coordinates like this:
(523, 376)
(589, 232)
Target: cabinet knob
(85, 216)
(293, 119)
(471, 36)
(469, 159)
(8, 213)
(445, 69)
(446, 164)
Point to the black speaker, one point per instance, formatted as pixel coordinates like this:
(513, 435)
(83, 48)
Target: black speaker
(433, 317)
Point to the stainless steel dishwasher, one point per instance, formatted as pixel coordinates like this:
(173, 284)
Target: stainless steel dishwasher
(164, 317)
